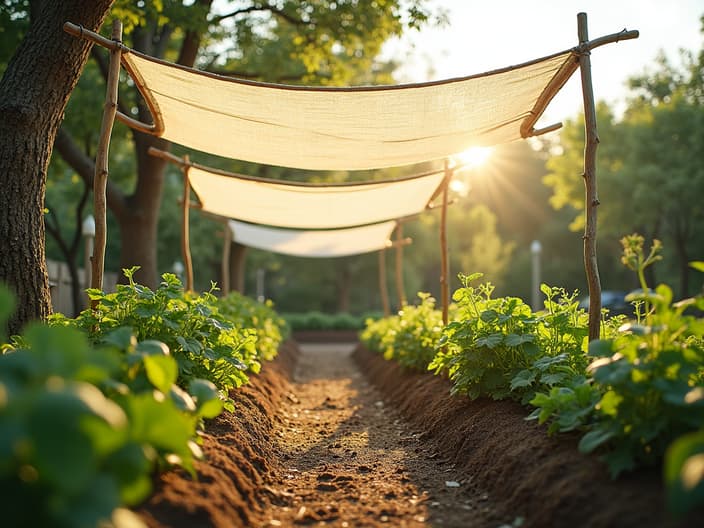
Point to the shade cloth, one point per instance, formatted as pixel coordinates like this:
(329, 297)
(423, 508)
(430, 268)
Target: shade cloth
(324, 128)
(329, 243)
(312, 206)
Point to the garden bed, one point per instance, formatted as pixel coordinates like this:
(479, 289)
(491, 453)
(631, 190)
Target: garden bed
(543, 479)
(239, 455)
(488, 446)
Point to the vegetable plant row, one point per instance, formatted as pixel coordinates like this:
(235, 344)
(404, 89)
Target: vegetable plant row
(636, 394)
(92, 407)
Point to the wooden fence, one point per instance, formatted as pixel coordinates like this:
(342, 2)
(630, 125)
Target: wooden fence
(60, 281)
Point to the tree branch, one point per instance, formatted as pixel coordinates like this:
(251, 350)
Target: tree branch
(242, 11)
(85, 168)
(268, 7)
(255, 75)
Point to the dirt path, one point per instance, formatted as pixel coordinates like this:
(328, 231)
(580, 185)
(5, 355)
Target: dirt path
(351, 461)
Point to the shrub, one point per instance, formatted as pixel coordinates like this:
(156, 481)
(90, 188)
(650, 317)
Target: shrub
(497, 347)
(410, 337)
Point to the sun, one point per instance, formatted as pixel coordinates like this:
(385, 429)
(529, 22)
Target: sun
(473, 157)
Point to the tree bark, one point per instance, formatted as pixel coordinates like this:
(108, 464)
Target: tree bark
(238, 256)
(33, 95)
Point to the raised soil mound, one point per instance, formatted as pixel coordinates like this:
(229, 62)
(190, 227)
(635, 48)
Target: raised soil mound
(239, 455)
(543, 479)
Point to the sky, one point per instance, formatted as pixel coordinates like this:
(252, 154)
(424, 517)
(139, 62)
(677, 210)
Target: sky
(486, 34)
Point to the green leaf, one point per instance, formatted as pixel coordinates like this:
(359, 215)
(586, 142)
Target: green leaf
(182, 399)
(619, 460)
(152, 347)
(122, 338)
(207, 398)
(523, 379)
(594, 439)
(611, 371)
(552, 378)
(514, 340)
(162, 371)
(490, 341)
(160, 424)
(601, 348)
(546, 362)
(697, 265)
(93, 505)
(147, 311)
(609, 403)
(189, 344)
(488, 316)
(684, 472)
(63, 453)
(132, 466)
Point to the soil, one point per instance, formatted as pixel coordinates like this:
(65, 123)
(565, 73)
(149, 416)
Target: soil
(330, 435)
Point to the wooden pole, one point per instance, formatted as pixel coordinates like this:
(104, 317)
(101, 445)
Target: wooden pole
(185, 228)
(100, 178)
(400, 290)
(383, 287)
(590, 187)
(225, 266)
(444, 260)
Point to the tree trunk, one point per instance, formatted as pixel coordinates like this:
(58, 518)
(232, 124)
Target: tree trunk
(682, 260)
(138, 220)
(33, 95)
(344, 286)
(238, 256)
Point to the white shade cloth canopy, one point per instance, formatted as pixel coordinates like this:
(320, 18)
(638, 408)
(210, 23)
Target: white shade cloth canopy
(319, 244)
(302, 206)
(323, 128)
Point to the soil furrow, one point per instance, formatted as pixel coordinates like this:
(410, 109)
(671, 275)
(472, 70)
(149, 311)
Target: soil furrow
(350, 460)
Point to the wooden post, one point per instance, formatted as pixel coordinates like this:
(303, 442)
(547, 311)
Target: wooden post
(400, 290)
(383, 288)
(185, 230)
(100, 178)
(225, 266)
(590, 187)
(444, 260)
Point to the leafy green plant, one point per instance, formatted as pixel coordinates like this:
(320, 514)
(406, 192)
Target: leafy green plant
(246, 313)
(204, 343)
(651, 375)
(70, 453)
(410, 337)
(497, 347)
(84, 427)
(684, 472)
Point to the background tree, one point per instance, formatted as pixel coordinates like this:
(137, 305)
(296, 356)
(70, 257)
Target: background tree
(288, 41)
(651, 178)
(34, 90)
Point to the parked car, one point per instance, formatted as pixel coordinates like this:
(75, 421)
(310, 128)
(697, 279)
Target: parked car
(612, 300)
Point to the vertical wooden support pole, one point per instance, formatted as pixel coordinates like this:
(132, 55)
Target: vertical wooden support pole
(590, 187)
(100, 178)
(444, 260)
(383, 288)
(225, 266)
(400, 289)
(185, 227)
